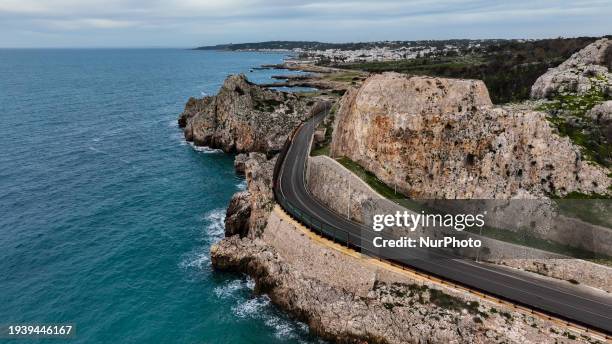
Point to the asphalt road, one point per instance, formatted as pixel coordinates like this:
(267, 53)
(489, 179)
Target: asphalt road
(583, 308)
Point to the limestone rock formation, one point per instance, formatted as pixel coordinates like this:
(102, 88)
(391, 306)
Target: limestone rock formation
(237, 214)
(579, 73)
(242, 117)
(601, 115)
(239, 163)
(442, 138)
(248, 210)
(346, 300)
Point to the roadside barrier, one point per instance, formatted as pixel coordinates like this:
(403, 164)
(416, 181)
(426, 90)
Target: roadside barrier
(352, 241)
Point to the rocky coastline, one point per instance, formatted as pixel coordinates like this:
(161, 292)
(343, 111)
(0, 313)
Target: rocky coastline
(349, 299)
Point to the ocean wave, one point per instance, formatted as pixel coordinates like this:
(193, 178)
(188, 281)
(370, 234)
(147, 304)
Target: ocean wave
(230, 289)
(205, 149)
(283, 328)
(214, 223)
(251, 308)
(214, 230)
(196, 260)
(260, 308)
(242, 185)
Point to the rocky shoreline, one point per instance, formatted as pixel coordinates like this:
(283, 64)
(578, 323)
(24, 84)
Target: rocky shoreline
(343, 297)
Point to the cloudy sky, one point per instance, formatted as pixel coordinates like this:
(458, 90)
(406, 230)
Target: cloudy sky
(188, 23)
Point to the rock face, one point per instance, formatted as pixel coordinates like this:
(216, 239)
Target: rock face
(239, 163)
(248, 210)
(238, 214)
(242, 117)
(442, 138)
(346, 299)
(601, 115)
(577, 74)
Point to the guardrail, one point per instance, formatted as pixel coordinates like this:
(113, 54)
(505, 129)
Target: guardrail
(353, 241)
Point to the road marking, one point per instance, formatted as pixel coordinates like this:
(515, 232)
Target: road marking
(419, 276)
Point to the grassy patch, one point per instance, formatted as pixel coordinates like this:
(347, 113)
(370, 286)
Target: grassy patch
(349, 76)
(323, 150)
(567, 112)
(519, 238)
(591, 208)
(524, 239)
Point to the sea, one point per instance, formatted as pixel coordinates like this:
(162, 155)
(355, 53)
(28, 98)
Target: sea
(107, 215)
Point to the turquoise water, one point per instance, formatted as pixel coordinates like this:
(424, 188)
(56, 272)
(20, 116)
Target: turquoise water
(107, 213)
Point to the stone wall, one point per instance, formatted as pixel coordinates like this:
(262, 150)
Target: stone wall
(347, 298)
(329, 182)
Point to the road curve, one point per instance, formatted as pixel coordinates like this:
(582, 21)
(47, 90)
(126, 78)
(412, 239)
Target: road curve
(291, 193)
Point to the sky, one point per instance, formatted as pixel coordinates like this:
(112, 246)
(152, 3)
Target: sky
(191, 23)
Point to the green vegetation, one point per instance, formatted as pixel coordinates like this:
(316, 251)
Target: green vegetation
(569, 335)
(323, 148)
(373, 181)
(508, 68)
(567, 112)
(520, 237)
(524, 239)
(348, 76)
(266, 105)
(592, 208)
(313, 45)
(446, 301)
(308, 94)
(436, 297)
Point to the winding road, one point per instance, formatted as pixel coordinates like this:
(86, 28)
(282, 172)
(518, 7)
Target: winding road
(566, 302)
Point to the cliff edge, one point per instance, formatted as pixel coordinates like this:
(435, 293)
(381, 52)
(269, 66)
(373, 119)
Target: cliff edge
(443, 138)
(242, 117)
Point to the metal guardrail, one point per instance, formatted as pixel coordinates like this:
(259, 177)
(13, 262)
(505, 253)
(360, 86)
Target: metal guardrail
(353, 241)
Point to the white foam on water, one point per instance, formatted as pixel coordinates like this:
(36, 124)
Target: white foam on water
(214, 223)
(214, 229)
(204, 149)
(250, 283)
(283, 328)
(197, 260)
(252, 308)
(242, 185)
(230, 289)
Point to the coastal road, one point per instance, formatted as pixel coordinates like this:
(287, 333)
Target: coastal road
(588, 309)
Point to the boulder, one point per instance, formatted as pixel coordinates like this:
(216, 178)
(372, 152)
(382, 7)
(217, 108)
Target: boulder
(588, 68)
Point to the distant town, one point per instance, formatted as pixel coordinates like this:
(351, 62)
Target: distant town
(326, 53)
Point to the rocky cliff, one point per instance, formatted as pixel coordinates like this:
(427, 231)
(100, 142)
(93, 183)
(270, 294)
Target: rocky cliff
(579, 73)
(248, 210)
(347, 298)
(242, 117)
(442, 138)
(344, 298)
(577, 97)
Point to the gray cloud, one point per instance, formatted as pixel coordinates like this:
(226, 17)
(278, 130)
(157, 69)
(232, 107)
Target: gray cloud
(55, 23)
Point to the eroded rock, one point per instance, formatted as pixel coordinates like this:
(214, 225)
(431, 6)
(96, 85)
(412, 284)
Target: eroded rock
(442, 138)
(579, 73)
(242, 117)
(248, 210)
